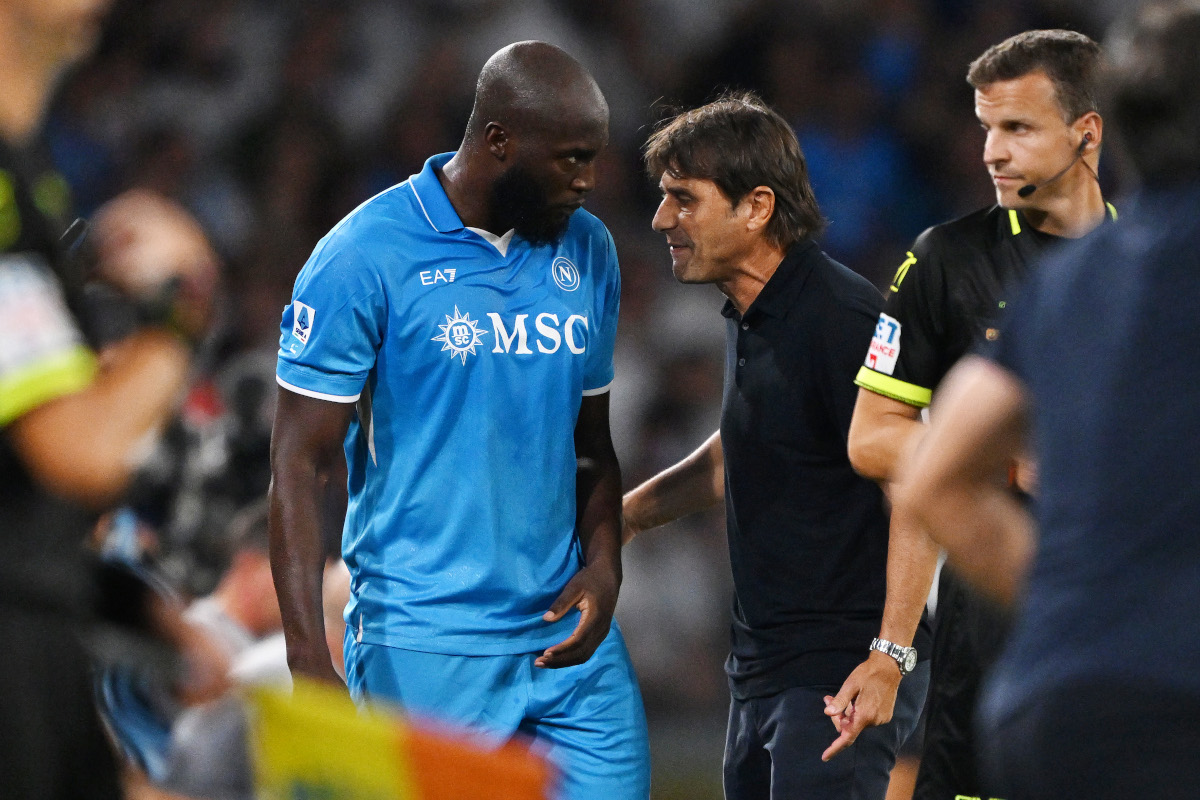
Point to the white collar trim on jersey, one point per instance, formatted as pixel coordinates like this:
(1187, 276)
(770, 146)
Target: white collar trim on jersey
(499, 242)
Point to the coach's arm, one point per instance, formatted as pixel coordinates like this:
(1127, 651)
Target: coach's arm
(306, 451)
(881, 431)
(593, 590)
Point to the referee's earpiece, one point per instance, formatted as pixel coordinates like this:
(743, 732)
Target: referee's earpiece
(1030, 188)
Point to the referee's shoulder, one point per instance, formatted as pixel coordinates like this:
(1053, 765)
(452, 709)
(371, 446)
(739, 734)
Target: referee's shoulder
(973, 229)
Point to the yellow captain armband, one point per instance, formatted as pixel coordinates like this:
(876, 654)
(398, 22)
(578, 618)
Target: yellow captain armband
(903, 271)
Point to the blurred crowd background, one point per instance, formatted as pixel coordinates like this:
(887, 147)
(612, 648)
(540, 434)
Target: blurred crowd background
(272, 119)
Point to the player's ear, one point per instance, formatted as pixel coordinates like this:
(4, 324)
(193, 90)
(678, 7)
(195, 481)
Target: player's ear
(497, 139)
(761, 205)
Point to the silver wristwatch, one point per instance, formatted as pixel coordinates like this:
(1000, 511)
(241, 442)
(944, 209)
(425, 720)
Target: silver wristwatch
(906, 657)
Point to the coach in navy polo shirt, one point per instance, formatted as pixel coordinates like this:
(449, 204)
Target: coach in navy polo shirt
(808, 537)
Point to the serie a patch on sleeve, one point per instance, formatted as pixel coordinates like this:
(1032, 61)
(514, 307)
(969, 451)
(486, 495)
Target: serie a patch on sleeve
(885, 345)
(302, 322)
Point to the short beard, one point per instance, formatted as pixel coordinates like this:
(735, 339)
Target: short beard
(519, 202)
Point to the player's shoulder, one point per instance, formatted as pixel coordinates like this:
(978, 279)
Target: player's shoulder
(588, 244)
(376, 226)
(587, 227)
(394, 211)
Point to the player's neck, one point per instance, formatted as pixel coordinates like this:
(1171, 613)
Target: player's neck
(1073, 213)
(470, 195)
(27, 73)
(751, 273)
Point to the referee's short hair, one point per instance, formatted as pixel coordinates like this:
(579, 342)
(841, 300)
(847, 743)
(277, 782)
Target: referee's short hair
(1152, 84)
(1071, 61)
(738, 142)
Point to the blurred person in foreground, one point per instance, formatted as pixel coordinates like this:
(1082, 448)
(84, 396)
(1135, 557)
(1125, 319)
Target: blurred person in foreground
(460, 327)
(1035, 97)
(1097, 693)
(807, 536)
(73, 419)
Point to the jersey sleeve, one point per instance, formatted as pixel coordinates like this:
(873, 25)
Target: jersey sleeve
(43, 355)
(598, 374)
(903, 361)
(332, 330)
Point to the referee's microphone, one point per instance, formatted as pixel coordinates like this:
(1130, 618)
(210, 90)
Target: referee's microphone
(1030, 188)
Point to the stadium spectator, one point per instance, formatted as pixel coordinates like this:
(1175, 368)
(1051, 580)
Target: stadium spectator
(242, 613)
(1096, 694)
(469, 315)
(807, 537)
(1035, 96)
(73, 419)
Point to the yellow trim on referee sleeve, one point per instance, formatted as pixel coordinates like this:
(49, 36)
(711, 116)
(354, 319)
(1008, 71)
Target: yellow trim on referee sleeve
(1014, 221)
(1112, 211)
(894, 388)
(28, 388)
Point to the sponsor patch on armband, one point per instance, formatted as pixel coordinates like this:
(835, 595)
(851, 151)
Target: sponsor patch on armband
(885, 345)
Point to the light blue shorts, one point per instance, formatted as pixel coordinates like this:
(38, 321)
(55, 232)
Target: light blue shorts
(589, 718)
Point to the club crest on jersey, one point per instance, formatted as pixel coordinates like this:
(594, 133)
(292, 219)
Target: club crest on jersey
(303, 322)
(565, 274)
(460, 335)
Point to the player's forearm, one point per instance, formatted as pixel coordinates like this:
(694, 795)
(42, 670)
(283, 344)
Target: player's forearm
(297, 562)
(911, 564)
(599, 514)
(694, 484)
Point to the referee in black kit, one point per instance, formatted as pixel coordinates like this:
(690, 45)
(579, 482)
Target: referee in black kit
(73, 416)
(1035, 96)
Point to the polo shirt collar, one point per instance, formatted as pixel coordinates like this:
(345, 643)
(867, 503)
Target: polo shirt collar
(778, 294)
(432, 197)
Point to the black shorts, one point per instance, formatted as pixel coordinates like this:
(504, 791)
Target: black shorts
(773, 746)
(52, 746)
(968, 635)
(1099, 741)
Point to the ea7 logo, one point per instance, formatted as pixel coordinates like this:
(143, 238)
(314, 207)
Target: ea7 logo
(551, 335)
(430, 277)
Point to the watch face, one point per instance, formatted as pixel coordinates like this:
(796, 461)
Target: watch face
(910, 660)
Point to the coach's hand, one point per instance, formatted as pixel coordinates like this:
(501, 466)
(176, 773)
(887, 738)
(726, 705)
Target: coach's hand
(593, 591)
(868, 697)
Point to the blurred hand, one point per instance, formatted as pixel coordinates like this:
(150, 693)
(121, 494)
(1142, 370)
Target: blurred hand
(593, 591)
(205, 664)
(868, 697)
(144, 241)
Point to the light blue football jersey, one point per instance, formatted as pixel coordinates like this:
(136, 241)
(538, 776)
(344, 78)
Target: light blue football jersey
(468, 367)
